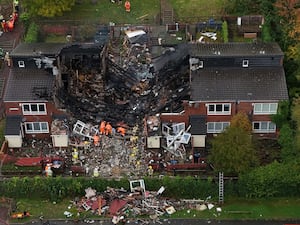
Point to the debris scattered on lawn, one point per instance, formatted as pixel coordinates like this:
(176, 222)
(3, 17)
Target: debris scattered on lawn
(121, 204)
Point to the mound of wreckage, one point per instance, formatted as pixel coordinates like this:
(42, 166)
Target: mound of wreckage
(134, 80)
(138, 204)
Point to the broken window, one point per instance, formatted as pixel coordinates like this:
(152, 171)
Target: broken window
(85, 130)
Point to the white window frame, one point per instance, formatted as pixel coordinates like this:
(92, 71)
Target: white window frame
(21, 64)
(222, 125)
(215, 112)
(265, 108)
(245, 63)
(270, 127)
(200, 65)
(31, 111)
(40, 129)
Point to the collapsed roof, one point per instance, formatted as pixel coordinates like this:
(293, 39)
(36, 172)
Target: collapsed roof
(124, 90)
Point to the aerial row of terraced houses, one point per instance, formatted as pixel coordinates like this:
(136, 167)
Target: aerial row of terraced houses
(225, 78)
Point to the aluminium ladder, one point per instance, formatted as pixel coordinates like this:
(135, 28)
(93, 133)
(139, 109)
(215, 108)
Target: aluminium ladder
(221, 187)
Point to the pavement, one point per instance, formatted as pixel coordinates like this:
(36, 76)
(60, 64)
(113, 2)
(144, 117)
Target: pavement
(169, 221)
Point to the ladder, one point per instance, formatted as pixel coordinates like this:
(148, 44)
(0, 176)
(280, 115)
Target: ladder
(221, 187)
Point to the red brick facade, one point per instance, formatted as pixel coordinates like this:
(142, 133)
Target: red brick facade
(15, 108)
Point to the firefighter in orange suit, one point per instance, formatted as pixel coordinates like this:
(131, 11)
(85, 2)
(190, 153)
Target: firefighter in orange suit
(127, 6)
(121, 130)
(102, 127)
(108, 129)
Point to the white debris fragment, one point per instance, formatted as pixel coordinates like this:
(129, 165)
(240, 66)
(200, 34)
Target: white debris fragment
(210, 206)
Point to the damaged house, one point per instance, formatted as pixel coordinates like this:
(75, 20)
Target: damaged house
(229, 78)
(28, 98)
(36, 80)
(87, 82)
(225, 79)
(176, 96)
(236, 77)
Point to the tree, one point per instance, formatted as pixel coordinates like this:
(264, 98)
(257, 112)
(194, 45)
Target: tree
(241, 120)
(295, 114)
(47, 8)
(283, 114)
(233, 151)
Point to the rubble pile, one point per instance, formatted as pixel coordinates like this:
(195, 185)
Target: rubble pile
(132, 85)
(59, 127)
(114, 156)
(121, 205)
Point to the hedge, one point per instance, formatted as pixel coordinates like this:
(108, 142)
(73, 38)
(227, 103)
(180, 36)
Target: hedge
(58, 188)
(273, 180)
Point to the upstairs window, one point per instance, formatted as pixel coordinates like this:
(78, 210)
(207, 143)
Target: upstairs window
(34, 109)
(21, 64)
(245, 63)
(265, 108)
(219, 109)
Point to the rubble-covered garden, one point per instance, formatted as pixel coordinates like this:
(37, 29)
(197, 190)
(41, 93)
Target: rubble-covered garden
(136, 201)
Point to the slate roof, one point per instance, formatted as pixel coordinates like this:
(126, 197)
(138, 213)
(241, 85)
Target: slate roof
(198, 124)
(234, 49)
(13, 124)
(29, 85)
(236, 84)
(31, 49)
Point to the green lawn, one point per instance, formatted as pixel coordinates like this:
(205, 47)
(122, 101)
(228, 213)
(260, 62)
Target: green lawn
(232, 209)
(104, 12)
(142, 12)
(197, 10)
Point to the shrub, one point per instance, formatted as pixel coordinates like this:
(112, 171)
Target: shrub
(266, 34)
(225, 31)
(32, 33)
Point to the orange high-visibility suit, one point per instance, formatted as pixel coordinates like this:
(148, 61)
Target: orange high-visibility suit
(10, 25)
(102, 127)
(121, 130)
(108, 129)
(127, 6)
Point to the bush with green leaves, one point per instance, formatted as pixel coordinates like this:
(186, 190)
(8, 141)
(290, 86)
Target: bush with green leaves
(266, 33)
(32, 33)
(225, 31)
(274, 180)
